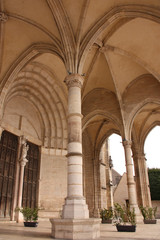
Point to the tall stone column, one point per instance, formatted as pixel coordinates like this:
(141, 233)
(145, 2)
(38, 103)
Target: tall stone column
(111, 182)
(75, 222)
(75, 205)
(109, 178)
(130, 180)
(22, 162)
(143, 180)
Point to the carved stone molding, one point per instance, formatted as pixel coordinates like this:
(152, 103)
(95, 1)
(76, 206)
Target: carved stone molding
(24, 150)
(3, 17)
(127, 143)
(74, 80)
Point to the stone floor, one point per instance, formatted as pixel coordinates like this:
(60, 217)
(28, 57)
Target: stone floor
(16, 231)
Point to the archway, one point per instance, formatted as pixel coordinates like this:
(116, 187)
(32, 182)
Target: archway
(152, 151)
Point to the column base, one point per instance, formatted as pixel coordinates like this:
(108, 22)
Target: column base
(139, 218)
(19, 217)
(75, 228)
(75, 209)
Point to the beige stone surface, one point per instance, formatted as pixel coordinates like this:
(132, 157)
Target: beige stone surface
(52, 185)
(110, 50)
(121, 192)
(75, 229)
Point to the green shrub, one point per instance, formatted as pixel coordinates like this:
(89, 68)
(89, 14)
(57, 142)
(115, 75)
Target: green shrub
(106, 213)
(124, 215)
(29, 214)
(154, 181)
(148, 212)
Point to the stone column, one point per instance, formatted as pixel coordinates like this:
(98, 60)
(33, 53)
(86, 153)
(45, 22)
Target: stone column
(75, 222)
(111, 182)
(130, 180)
(143, 179)
(103, 189)
(109, 178)
(22, 163)
(75, 205)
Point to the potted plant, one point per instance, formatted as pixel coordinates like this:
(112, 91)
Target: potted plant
(106, 215)
(30, 216)
(149, 214)
(124, 218)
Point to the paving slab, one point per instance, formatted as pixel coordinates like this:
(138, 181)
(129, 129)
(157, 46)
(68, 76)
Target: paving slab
(17, 231)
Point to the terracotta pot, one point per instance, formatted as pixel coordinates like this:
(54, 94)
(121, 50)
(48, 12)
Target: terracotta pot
(126, 228)
(30, 224)
(150, 221)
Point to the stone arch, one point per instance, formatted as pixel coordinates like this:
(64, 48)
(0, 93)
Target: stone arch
(106, 115)
(28, 55)
(40, 87)
(156, 123)
(146, 89)
(108, 134)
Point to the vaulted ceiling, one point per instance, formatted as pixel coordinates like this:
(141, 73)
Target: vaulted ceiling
(113, 44)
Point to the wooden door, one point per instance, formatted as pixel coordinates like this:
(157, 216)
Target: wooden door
(8, 156)
(31, 177)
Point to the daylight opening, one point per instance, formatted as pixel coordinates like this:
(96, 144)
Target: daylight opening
(117, 153)
(152, 148)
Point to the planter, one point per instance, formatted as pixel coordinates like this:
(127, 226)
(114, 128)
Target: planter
(106, 220)
(126, 228)
(30, 224)
(150, 221)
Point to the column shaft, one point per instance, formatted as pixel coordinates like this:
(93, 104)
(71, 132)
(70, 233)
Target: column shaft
(130, 180)
(22, 162)
(75, 206)
(143, 180)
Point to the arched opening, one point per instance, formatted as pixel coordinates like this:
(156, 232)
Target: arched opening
(152, 151)
(112, 172)
(152, 148)
(117, 153)
(119, 176)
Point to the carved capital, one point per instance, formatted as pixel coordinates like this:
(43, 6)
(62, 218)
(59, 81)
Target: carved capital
(127, 143)
(74, 80)
(139, 155)
(23, 162)
(3, 17)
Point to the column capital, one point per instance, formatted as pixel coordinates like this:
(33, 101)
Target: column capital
(139, 155)
(23, 162)
(74, 80)
(127, 143)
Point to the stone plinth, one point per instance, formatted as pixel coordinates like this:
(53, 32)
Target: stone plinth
(75, 209)
(75, 228)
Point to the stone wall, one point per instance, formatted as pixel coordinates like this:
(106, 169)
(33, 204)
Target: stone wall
(53, 183)
(88, 174)
(121, 193)
(156, 203)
